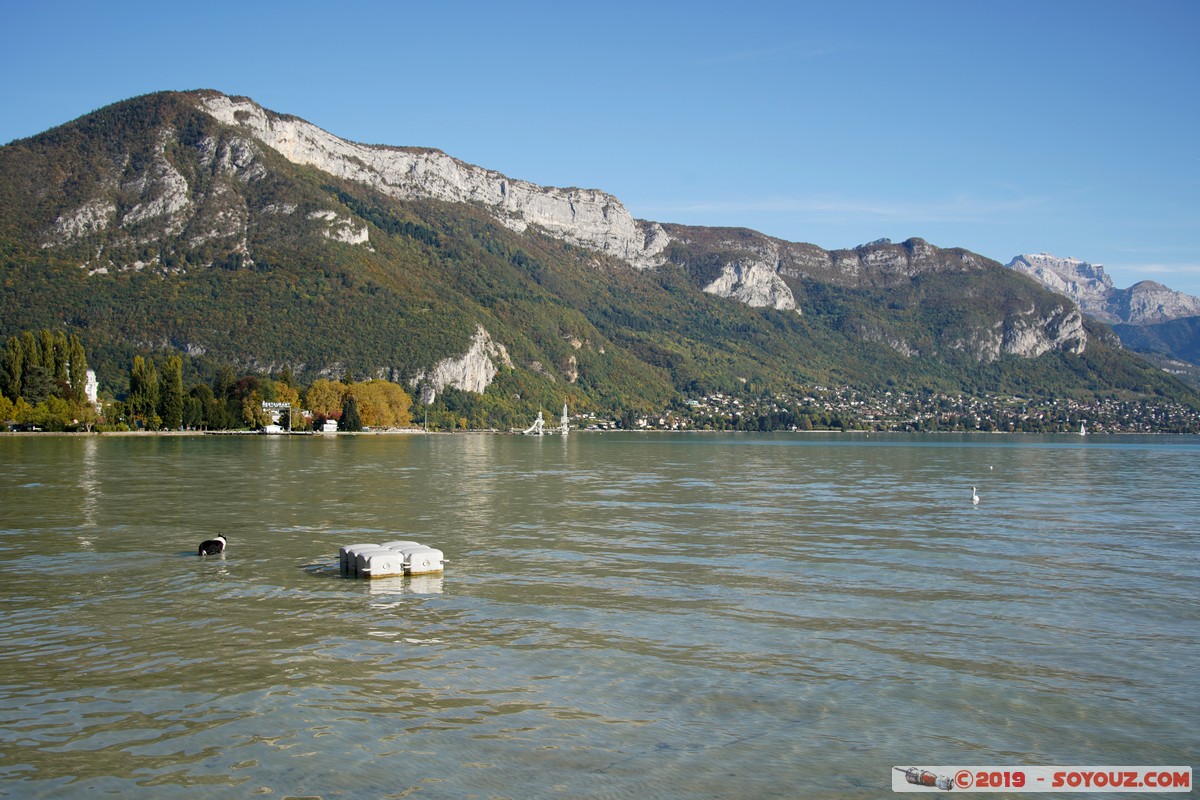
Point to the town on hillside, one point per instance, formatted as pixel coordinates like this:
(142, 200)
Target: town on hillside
(846, 409)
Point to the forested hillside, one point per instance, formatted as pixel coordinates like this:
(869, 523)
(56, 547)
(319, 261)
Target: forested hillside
(150, 229)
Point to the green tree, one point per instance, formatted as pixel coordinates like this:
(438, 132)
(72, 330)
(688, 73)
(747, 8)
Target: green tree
(12, 368)
(37, 384)
(171, 396)
(44, 364)
(350, 420)
(77, 368)
(61, 362)
(85, 415)
(46, 355)
(252, 410)
(203, 409)
(54, 414)
(32, 351)
(143, 393)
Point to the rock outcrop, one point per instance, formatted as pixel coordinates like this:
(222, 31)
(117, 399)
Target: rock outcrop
(1027, 335)
(1144, 303)
(585, 217)
(1087, 284)
(755, 281)
(141, 201)
(1149, 302)
(473, 371)
(877, 265)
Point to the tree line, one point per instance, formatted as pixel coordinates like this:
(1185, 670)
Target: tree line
(43, 381)
(43, 377)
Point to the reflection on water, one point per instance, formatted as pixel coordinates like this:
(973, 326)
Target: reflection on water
(621, 615)
(408, 584)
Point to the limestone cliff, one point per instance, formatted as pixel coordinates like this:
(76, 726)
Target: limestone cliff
(879, 264)
(140, 200)
(586, 217)
(471, 372)
(755, 281)
(1087, 284)
(1092, 289)
(1149, 302)
(1028, 335)
(764, 272)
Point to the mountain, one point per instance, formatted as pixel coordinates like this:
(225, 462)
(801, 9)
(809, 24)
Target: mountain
(1144, 303)
(1148, 317)
(205, 224)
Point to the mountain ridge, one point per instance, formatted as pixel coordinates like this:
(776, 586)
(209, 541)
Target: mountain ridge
(1149, 318)
(181, 220)
(1144, 303)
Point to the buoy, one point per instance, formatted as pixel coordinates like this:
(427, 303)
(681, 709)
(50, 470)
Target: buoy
(348, 554)
(423, 560)
(401, 544)
(390, 559)
(380, 563)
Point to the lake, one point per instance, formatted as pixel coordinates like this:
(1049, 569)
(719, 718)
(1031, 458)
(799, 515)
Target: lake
(622, 615)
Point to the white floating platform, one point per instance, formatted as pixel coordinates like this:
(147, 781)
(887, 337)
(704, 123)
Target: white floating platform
(390, 559)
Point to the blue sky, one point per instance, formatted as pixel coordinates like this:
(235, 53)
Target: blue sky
(1006, 128)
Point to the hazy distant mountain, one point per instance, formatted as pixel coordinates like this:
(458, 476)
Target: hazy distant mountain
(1148, 317)
(1092, 289)
(209, 225)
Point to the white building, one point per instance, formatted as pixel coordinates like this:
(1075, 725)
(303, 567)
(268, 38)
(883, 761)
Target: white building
(91, 389)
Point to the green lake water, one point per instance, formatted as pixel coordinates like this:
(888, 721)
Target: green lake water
(621, 615)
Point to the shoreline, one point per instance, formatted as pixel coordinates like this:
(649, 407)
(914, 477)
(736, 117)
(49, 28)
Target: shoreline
(576, 431)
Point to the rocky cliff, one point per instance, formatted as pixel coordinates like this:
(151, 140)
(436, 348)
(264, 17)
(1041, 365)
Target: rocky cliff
(138, 200)
(222, 229)
(1149, 302)
(756, 276)
(764, 272)
(586, 217)
(1092, 289)
(473, 371)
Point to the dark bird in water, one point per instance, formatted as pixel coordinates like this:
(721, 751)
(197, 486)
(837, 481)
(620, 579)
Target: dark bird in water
(210, 547)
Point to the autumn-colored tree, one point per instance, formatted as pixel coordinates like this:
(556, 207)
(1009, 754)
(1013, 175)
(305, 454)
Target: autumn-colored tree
(382, 404)
(286, 393)
(252, 410)
(325, 398)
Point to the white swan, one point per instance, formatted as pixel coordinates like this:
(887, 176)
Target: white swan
(974, 497)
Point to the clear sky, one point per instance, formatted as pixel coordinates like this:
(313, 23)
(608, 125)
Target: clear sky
(1065, 126)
